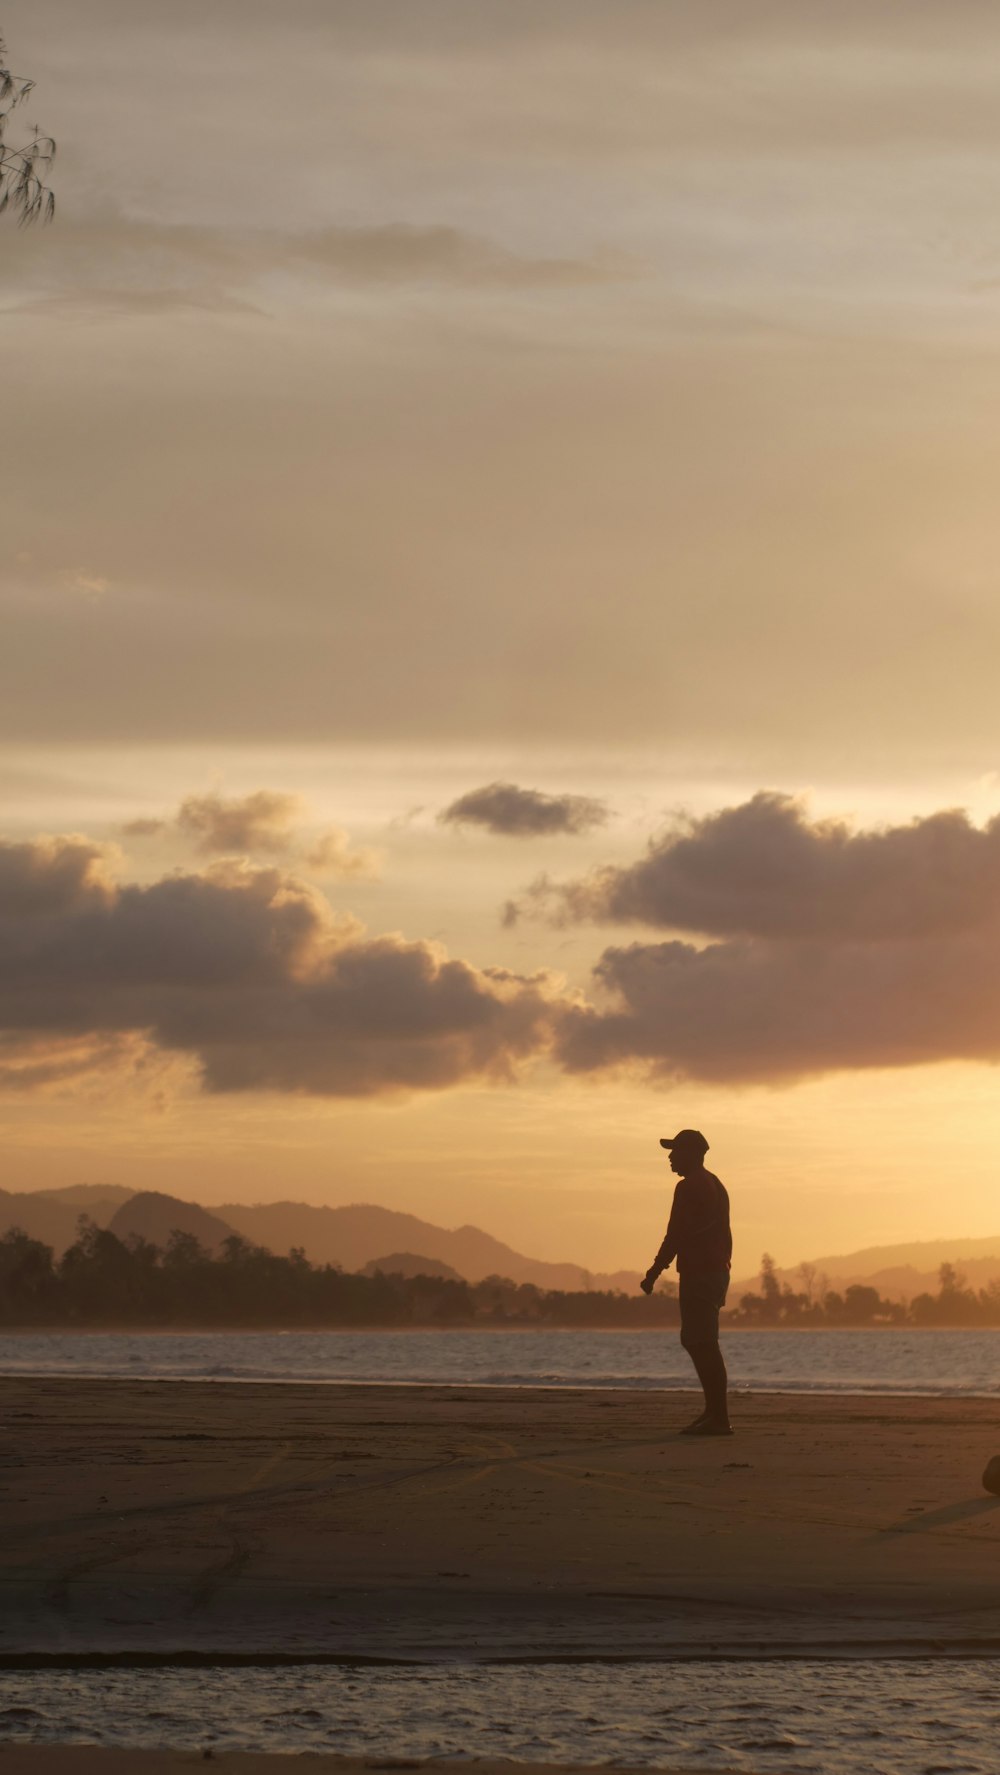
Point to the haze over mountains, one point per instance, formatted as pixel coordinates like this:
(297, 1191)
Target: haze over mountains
(899, 1272)
(52, 1215)
(365, 1237)
(153, 1216)
(353, 1237)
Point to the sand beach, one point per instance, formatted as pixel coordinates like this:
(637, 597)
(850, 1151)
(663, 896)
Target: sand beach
(156, 1521)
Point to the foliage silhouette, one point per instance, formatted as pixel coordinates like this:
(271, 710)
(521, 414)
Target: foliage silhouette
(860, 1304)
(102, 1280)
(23, 170)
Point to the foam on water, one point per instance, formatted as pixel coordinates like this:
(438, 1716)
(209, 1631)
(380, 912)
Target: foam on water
(884, 1718)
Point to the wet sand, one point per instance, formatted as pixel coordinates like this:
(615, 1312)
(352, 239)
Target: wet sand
(77, 1759)
(214, 1522)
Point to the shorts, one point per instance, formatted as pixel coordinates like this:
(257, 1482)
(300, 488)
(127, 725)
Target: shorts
(702, 1296)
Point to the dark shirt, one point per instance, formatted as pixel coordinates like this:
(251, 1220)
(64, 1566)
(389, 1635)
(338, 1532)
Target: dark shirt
(698, 1232)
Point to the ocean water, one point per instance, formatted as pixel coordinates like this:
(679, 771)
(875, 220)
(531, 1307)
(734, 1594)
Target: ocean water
(932, 1363)
(893, 1717)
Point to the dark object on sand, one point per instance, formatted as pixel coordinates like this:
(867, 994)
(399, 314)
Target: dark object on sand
(991, 1477)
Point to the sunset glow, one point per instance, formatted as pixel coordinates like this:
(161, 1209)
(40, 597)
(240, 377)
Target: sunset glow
(499, 610)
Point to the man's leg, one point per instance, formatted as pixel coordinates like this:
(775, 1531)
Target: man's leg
(710, 1368)
(700, 1300)
(693, 1349)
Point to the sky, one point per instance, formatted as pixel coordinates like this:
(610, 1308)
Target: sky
(498, 545)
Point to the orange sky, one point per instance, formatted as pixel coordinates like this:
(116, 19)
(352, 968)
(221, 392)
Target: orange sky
(597, 400)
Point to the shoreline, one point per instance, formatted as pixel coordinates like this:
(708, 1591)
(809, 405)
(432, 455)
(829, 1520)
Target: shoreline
(936, 1363)
(652, 1388)
(478, 1327)
(909, 1650)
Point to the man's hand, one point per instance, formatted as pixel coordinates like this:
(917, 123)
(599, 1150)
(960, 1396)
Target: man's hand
(649, 1280)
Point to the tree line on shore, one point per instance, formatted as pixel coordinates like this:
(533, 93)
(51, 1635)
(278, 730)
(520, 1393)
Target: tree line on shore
(816, 1303)
(102, 1280)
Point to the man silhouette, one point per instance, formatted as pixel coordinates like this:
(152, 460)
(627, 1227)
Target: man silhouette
(699, 1237)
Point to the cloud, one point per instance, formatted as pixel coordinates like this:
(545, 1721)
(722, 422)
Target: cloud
(85, 581)
(841, 949)
(505, 809)
(761, 1012)
(124, 265)
(244, 973)
(85, 1064)
(801, 333)
(123, 303)
(763, 869)
(260, 822)
(332, 855)
(247, 972)
(264, 823)
(144, 828)
(51, 877)
(404, 251)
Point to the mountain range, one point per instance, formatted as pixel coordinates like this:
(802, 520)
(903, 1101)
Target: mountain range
(354, 1237)
(52, 1214)
(366, 1237)
(899, 1272)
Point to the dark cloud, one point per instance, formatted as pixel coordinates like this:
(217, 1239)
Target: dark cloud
(763, 869)
(762, 1012)
(524, 813)
(247, 972)
(843, 949)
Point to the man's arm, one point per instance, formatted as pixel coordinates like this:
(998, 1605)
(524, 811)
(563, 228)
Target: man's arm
(668, 1248)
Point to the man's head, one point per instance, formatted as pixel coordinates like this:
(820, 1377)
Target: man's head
(687, 1151)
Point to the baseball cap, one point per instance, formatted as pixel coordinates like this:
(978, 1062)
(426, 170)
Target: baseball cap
(689, 1138)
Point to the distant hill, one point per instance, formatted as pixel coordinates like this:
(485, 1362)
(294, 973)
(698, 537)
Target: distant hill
(153, 1216)
(899, 1272)
(90, 1198)
(359, 1236)
(407, 1263)
(352, 1237)
(53, 1215)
